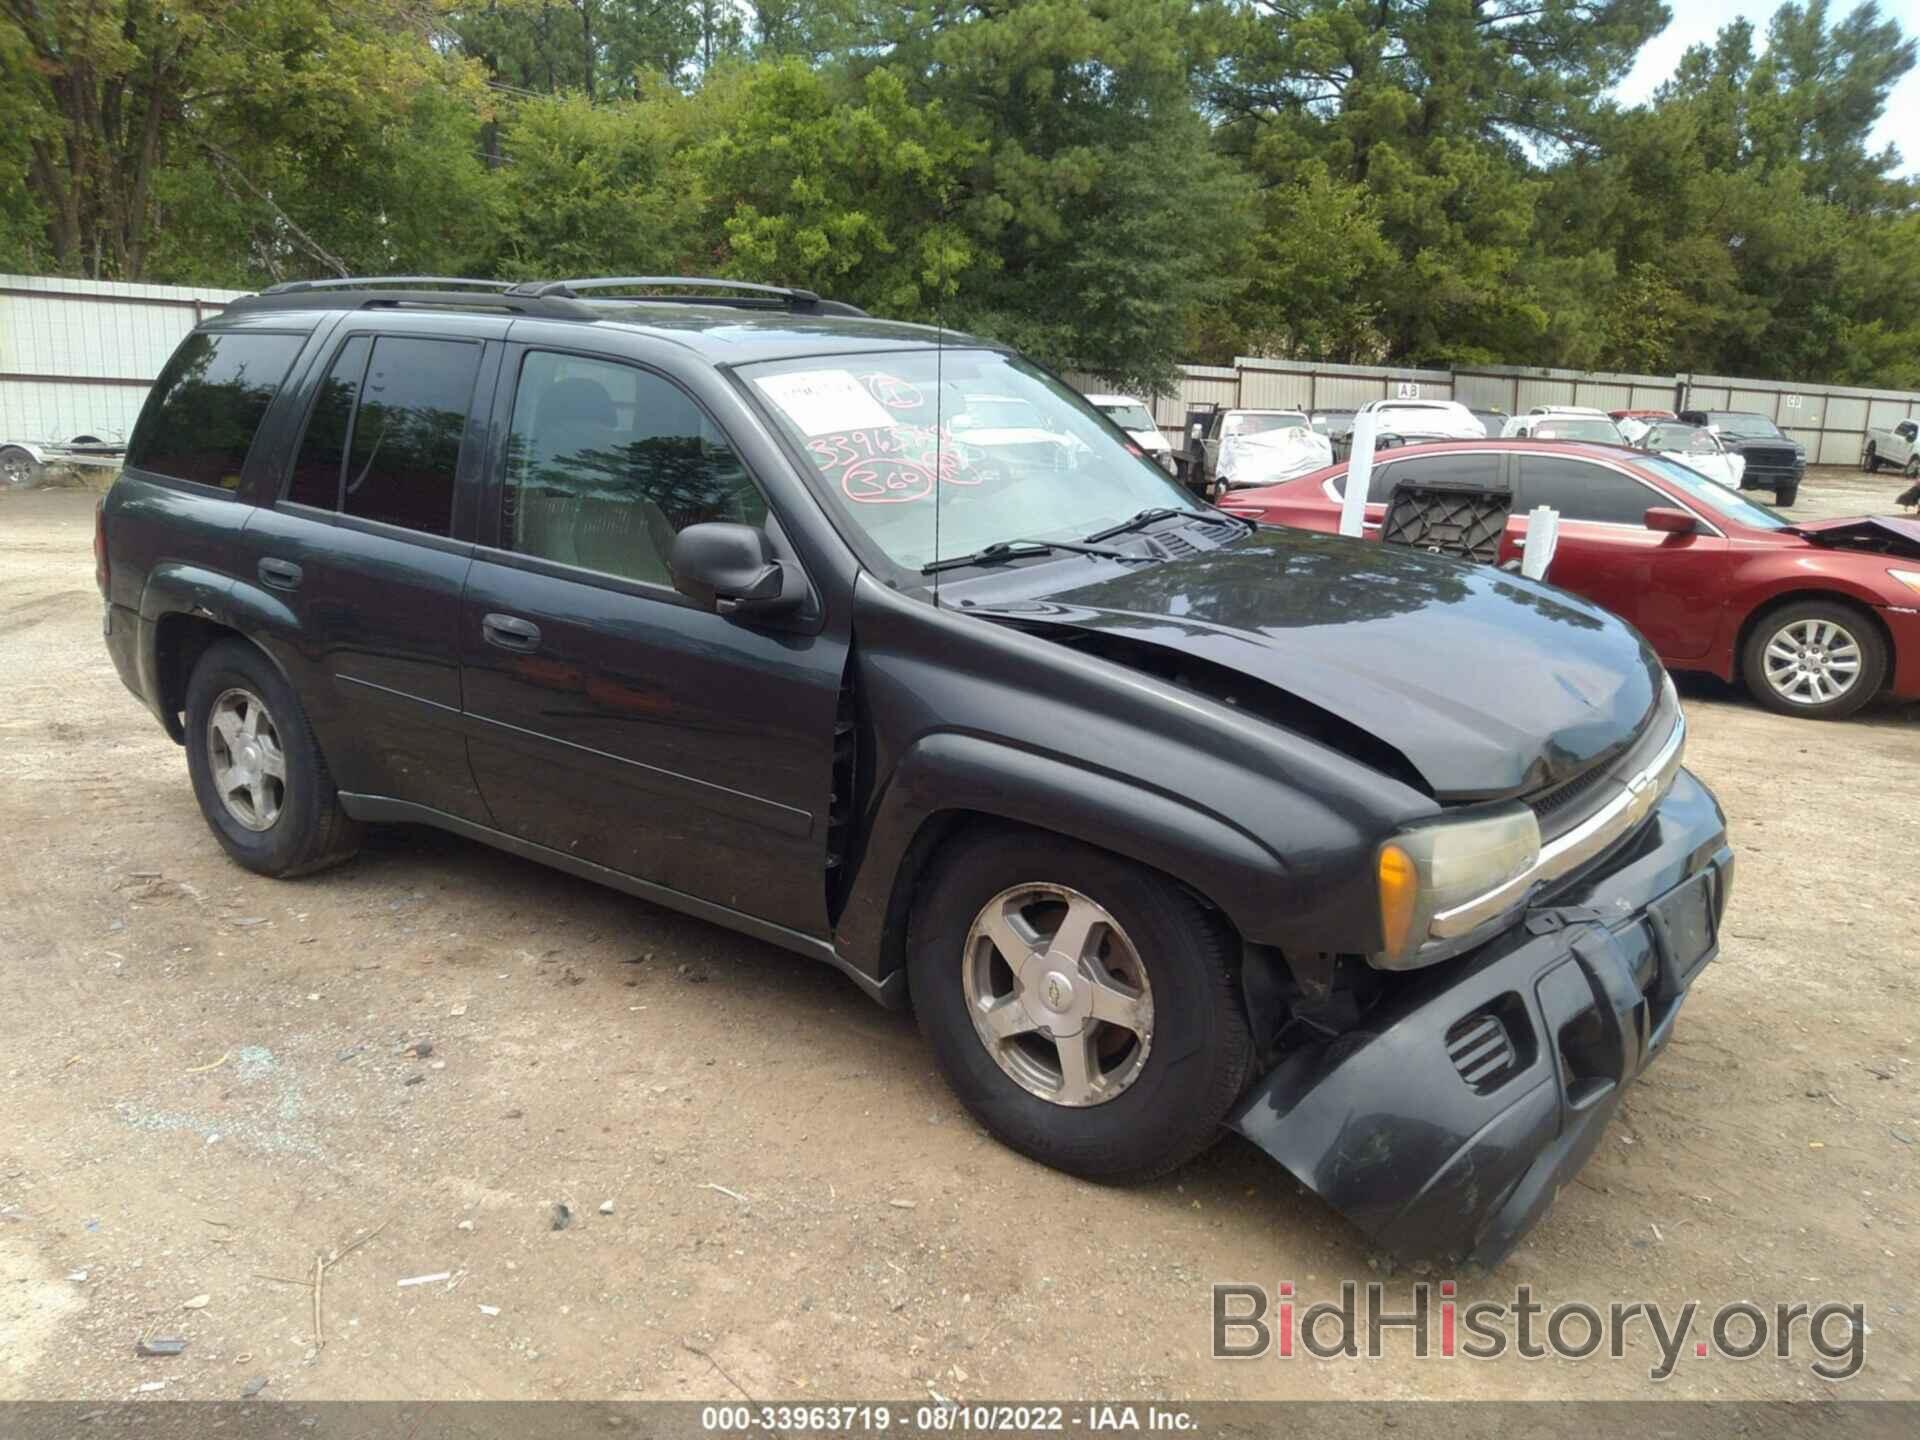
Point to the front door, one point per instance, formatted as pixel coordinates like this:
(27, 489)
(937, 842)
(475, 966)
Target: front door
(1667, 586)
(609, 718)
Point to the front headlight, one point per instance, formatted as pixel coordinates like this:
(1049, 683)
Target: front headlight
(1433, 868)
(1908, 578)
(1166, 462)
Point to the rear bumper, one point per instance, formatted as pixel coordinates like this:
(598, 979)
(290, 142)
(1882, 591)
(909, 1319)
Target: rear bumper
(1382, 1124)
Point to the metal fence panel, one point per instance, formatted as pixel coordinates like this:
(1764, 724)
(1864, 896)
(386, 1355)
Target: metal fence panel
(1262, 388)
(78, 356)
(1831, 421)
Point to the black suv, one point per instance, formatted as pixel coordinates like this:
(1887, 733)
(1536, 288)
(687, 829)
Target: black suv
(1775, 461)
(761, 609)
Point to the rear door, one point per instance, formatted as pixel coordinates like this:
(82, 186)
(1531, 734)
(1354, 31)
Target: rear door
(1669, 587)
(609, 717)
(360, 541)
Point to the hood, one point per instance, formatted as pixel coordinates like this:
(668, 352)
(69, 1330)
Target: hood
(1273, 455)
(1489, 685)
(1878, 534)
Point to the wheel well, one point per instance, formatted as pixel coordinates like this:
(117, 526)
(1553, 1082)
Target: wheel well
(941, 829)
(178, 643)
(1797, 597)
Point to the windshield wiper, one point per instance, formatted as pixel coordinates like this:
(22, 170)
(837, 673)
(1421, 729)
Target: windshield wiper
(1138, 522)
(1002, 550)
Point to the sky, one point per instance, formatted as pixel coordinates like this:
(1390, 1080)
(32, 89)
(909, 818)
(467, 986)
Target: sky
(1698, 21)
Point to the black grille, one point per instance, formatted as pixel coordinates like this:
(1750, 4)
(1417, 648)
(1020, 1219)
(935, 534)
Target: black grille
(1765, 457)
(1549, 802)
(1481, 1050)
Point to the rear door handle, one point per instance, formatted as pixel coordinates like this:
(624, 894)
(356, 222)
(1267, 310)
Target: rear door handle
(510, 632)
(280, 574)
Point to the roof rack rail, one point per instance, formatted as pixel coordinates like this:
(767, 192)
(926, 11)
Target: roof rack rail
(368, 282)
(749, 294)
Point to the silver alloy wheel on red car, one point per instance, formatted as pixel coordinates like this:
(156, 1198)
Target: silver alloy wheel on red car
(245, 756)
(1812, 661)
(1058, 994)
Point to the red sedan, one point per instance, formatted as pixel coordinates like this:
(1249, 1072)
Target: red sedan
(1815, 617)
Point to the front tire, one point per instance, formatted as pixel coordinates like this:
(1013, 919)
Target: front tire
(1817, 659)
(1085, 1010)
(257, 771)
(1785, 495)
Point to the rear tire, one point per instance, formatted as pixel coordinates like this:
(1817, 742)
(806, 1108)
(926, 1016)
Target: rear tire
(257, 771)
(1816, 659)
(1870, 462)
(1141, 1047)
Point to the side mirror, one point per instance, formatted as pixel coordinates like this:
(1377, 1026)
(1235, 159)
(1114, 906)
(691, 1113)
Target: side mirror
(730, 569)
(1670, 520)
(1197, 430)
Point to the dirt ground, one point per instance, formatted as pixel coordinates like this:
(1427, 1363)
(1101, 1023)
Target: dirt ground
(205, 1087)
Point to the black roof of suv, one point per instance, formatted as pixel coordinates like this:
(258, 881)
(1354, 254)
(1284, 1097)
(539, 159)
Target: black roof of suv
(734, 322)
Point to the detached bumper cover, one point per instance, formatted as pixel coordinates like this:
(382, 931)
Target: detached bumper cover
(1446, 1127)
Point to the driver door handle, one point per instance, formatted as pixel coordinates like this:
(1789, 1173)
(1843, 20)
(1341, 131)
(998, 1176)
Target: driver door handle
(280, 574)
(510, 632)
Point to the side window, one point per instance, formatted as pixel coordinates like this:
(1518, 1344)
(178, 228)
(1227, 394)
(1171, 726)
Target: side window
(200, 416)
(405, 441)
(606, 463)
(1421, 469)
(321, 463)
(1580, 491)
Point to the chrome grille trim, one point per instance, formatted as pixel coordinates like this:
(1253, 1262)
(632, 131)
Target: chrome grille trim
(1634, 800)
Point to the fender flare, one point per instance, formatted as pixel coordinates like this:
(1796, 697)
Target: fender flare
(177, 587)
(953, 774)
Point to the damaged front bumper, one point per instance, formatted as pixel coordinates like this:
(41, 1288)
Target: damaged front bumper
(1447, 1124)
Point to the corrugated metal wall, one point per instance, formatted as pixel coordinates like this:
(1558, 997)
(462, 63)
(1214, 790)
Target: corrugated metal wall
(1831, 421)
(78, 356)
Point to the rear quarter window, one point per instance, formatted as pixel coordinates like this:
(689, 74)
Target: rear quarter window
(200, 418)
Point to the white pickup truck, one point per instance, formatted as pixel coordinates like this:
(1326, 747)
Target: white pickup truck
(1893, 446)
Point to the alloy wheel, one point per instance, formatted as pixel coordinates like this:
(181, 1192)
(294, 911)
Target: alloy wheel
(245, 756)
(1058, 994)
(1812, 662)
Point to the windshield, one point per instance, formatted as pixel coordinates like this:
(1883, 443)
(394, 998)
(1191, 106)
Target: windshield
(1572, 427)
(878, 427)
(1713, 495)
(1129, 417)
(1418, 420)
(996, 412)
(1756, 427)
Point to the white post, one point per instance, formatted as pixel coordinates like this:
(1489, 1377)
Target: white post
(1543, 535)
(1353, 507)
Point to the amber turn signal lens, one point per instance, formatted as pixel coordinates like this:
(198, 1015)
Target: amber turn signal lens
(1399, 897)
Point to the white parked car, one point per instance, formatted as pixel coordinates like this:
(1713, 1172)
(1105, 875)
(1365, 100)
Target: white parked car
(1896, 446)
(1424, 420)
(1137, 420)
(1695, 447)
(1564, 422)
(1266, 457)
